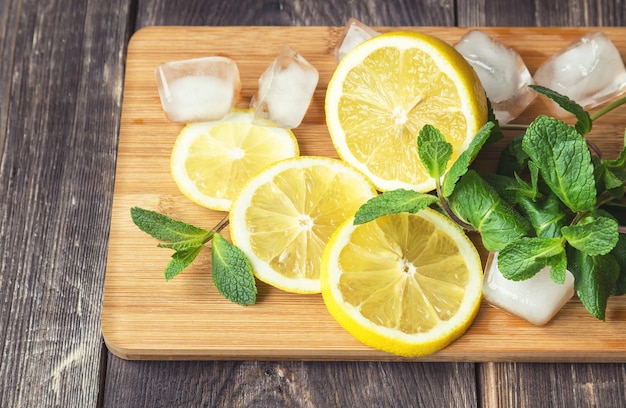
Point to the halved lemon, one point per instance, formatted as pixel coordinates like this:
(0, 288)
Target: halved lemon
(407, 284)
(285, 215)
(211, 161)
(385, 90)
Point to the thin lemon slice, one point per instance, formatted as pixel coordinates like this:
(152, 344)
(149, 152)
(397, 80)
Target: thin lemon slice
(285, 215)
(408, 284)
(211, 161)
(385, 90)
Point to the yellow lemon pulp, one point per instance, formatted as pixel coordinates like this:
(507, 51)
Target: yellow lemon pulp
(285, 215)
(408, 284)
(211, 161)
(385, 90)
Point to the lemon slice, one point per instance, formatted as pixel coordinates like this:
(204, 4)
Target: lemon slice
(285, 215)
(385, 90)
(211, 161)
(408, 284)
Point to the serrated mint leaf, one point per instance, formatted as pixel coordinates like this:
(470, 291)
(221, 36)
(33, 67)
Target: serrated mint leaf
(558, 267)
(594, 279)
(434, 151)
(182, 245)
(584, 122)
(547, 216)
(513, 159)
(393, 202)
(478, 204)
(522, 259)
(564, 161)
(232, 273)
(619, 252)
(180, 260)
(164, 228)
(512, 189)
(618, 163)
(460, 166)
(592, 235)
(495, 133)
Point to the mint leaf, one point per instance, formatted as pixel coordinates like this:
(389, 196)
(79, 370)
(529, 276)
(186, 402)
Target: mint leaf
(433, 150)
(584, 123)
(393, 202)
(513, 159)
(164, 228)
(593, 235)
(180, 260)
(496, 133)
(619, 252)
(594, 279)
(547, 216)
(460, 166)
(512, 189)
(619, 163)
(522, 259)
(232, 273)
(564, 161)
(478, 204)
(558, 267)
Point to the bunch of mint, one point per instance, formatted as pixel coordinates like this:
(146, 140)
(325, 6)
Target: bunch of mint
(552, 202)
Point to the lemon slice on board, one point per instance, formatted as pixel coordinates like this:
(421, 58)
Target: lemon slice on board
(211, 161)
(408, 284)
(285, 215)
(385, 90)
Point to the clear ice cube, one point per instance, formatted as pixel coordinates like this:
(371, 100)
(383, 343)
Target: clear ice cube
(354, 33)
(502, 72)
(536, 300)
(197, 90)
(285, 89)
(589, 71)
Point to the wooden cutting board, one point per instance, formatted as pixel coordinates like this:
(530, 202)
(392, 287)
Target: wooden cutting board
(145, 317)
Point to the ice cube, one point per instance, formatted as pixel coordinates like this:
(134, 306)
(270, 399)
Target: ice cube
(536, 300)
(589, 71)
(197, 90)
(285, 89)
(502, 72)
(354, 33)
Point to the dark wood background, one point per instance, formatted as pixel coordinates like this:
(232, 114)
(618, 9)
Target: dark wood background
(61, 77)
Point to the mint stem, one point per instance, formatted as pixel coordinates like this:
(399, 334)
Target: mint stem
(512, 126)
(446, 207)
(218, 227)
(608, 108)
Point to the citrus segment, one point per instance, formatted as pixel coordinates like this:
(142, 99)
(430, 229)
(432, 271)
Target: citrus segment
(285, 215)
(385, 90)
(211, 161)
(408, 284)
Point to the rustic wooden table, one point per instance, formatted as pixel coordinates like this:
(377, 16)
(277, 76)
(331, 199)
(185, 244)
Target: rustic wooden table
(61, 80)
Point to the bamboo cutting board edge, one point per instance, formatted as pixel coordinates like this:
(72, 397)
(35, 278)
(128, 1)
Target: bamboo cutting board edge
(144, 317)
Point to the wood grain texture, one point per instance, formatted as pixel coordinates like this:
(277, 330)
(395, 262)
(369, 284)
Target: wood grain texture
(60, 92)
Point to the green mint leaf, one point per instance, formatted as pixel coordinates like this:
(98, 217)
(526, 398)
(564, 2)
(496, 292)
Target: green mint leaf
(564, 161)
(593, 235)
(558, 267)
(619, 252)
(434, 151)
(547, 216)
(184, 245)
(164, 228)
(180, 260)
(584, 123)
(512, 189)
(496, 133)
(522, 259)
(513, 159)
(460, 166)
(594, 279)
(393, 202)
(618, 163)
(478, 204)
(232, 273)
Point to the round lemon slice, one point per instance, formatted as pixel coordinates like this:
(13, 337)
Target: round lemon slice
(211, 161)
(285, 215)
(407, 284)
(385, 90)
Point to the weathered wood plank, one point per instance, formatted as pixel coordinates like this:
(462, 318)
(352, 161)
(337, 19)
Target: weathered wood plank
(60, 92)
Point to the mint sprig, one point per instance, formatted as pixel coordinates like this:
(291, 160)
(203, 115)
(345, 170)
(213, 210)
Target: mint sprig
(231, 270)
(555, 202)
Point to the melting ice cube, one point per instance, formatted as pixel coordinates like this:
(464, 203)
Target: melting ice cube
(197, 90)
(285, 89)
(589, 71)
(502, 72)
(354, 33)
(536, 300)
